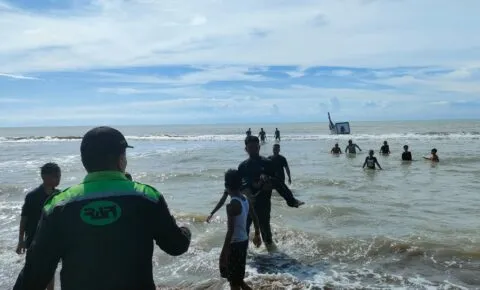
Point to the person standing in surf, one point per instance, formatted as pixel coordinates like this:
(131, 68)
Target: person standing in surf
(370, 161)
(262, 135)
(277, 135)
(351, 147)
(102, 229)
(280, 164)
(336, 149)
(233, 257)
(258, 181)
(385, 149)
(32, 209)
(434, 156)
(249, 132)
(406, 155)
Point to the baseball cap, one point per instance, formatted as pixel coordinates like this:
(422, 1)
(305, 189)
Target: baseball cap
(103, 140)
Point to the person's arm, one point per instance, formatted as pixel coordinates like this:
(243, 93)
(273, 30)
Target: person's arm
(376, 161)
(287, 169)
(43, 255)
(358, 147)
(23, 224)
(220, 203)
(257, 241)
(171, 238)
(364, 163)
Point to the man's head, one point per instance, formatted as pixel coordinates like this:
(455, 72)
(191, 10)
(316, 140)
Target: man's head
(371, 152)
(252, 146)
(336, 144)
(51, 174)
(405, 147)
(434, 151)
(276, 149)
(233, 181)
(103, 149)
(350, 141)
(385, 143)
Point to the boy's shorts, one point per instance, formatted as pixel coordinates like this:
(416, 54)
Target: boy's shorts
(235, 272)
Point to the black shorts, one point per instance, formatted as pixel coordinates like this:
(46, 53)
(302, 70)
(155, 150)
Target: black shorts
(235, 272)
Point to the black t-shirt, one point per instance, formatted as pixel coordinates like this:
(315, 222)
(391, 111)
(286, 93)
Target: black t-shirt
(251, 169)
(279, 162)
(262, 134)
(32, 210)
(371, 161)
(385, 149)
(407, 156)
(336, 150)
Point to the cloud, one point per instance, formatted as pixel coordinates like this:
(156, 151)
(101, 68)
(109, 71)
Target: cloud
(18, 77)
(98, 34)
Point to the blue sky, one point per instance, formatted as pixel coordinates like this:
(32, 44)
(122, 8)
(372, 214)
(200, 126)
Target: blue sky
(89, 62)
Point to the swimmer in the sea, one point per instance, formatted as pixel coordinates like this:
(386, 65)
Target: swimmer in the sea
(434, 156)
(336, 149)
(370, 161)
(385, 149)
(351, 147)
(407, 155)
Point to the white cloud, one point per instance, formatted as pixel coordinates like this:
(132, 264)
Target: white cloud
(145, 33)
(18, 77)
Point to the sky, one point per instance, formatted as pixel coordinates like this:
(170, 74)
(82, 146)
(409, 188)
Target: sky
(132, 62)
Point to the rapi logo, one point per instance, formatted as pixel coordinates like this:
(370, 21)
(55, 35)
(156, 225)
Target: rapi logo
(101, 213)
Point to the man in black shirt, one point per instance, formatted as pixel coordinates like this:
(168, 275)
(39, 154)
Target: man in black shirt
(280, 164)
(262, 135)
(385, 149)
(336, 149)
(33, 205)
(103, 228)
(258, 177)
(407, 155)
(371, 161)
(277, 135)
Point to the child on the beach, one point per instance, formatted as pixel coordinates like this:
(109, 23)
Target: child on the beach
(234, 253)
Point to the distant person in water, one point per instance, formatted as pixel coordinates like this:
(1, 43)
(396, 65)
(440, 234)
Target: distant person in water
(351, 147)
(277, 135)
(336, 149)
(249, 132)
(406, 155)
(128, 176)
(262, 135)
(280, 164)
(434, 156)
(233, 257)
(32, 209)
(371, 161)
(385, 149)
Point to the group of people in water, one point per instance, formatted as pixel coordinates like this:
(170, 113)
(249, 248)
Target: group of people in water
(371, 161)
(102, 229)
(263, 135)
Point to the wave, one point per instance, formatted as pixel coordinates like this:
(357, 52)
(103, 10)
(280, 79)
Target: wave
(240, 137)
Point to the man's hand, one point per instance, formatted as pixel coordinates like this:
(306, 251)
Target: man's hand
(21, 247)
(209, 218)
(257, 241)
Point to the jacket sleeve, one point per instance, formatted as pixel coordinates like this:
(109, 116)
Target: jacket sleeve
(42, 256)
(172, 239)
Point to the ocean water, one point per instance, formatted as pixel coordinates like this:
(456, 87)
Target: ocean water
(410, 226)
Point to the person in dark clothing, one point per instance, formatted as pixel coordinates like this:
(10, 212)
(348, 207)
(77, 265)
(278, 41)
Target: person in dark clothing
(280, 164)
(370, 161)
(385, 149)
(103, 228)
(249, 132)
(336, 149)
(32, 208)
(277, 135)
(351, 147)
(262, 135)
(407, 155)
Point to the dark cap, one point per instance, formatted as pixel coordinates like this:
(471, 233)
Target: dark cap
(103, 140)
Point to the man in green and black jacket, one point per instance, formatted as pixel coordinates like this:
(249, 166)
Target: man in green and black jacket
(103, 228)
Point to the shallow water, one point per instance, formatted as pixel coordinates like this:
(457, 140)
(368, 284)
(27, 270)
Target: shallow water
(412, 226)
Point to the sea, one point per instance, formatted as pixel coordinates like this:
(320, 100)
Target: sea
(411, 225)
